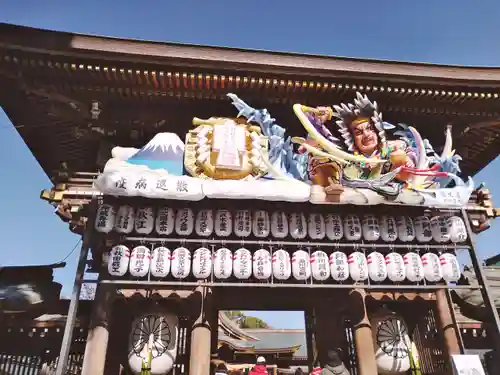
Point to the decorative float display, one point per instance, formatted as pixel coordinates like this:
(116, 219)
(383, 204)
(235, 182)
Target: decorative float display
(392, 343)
(370, 161)
(153, 342)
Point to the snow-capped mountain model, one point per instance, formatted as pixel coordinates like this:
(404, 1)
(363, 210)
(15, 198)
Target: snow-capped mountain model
(164, 151)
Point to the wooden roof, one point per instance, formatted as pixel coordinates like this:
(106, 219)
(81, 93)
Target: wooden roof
(50, 79)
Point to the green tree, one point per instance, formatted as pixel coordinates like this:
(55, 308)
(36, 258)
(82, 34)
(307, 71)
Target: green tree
(244, 321)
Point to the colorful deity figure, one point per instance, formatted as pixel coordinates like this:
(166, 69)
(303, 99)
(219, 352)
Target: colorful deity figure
(365, 158)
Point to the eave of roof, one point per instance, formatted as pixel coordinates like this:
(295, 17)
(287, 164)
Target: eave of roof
(77, 45)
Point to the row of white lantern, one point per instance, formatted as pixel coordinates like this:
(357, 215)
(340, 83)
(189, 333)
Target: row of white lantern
(262, 225)
(395, 267)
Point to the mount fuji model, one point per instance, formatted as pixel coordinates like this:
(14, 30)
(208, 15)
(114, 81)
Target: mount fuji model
(165, 151)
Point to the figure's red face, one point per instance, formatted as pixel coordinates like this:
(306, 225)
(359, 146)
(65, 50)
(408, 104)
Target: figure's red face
(365, 137)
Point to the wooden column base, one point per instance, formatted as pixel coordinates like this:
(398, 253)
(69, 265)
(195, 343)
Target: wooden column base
(97, 340)
(363, 339)
(201, 335)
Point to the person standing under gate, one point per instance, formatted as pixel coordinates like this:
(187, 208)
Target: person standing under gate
(334, 365)
(260, 368)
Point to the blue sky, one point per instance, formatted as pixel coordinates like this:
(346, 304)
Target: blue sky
(458, 32)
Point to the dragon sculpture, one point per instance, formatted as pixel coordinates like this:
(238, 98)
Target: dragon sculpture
(284, 162)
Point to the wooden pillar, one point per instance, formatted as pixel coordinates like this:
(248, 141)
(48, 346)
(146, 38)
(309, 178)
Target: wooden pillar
(311, 343)
(446, 324)
(97, 340)
(363, 339)
(201, 336)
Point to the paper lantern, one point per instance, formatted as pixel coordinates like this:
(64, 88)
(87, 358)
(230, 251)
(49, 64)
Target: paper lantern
(423, 231)
(223, 223)
(223, 263)
(395, 267)
(301, 265)
(457, 229)
(118, 260)
(165, 221)
(377, 269)
(388, 229)
(160, 262)
(406, 229)
(163, 330)
(124, 221)
(440, 229)
(298, 226)
(202, 263)
(413, 267)
(181, 263)
(140, 260)
(242, 264)
(371, 228)
(144, 220)
(262, 268)
(358, 266)
(184, 222)
(352, 228)
(450, 267)
(392, 343)
(320, 267)
(316, 226)
(282, 268)
(243, 223)
(204, 223)
(261, 225)
(334, 228)
(432, 267)
(105, 218)
(279, 224)
(339, 266)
